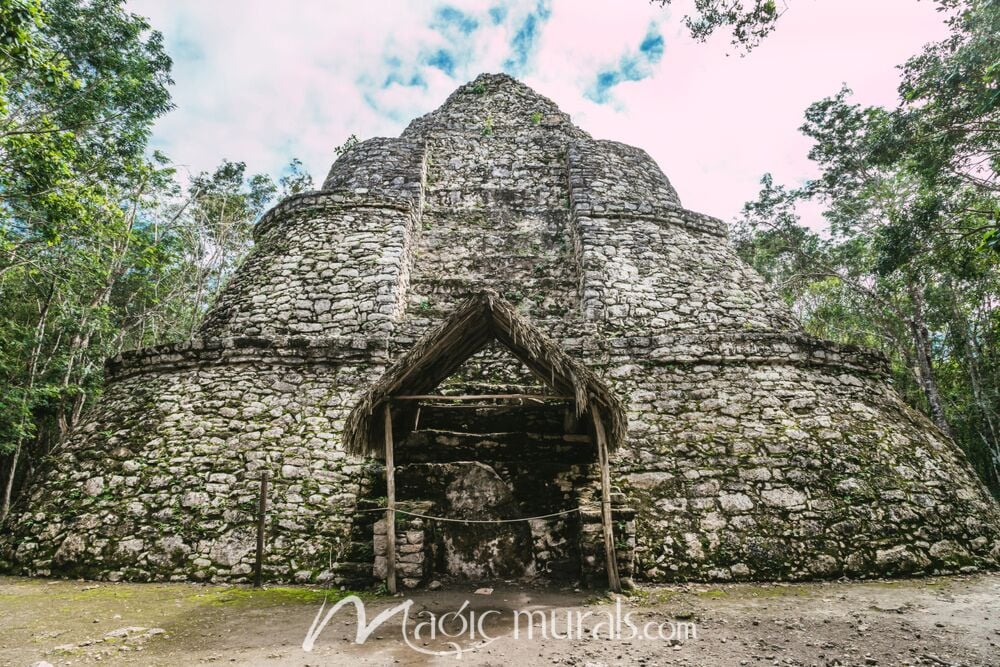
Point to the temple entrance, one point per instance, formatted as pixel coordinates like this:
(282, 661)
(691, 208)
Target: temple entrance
(487, 549)
(499, 481)
(507, 478)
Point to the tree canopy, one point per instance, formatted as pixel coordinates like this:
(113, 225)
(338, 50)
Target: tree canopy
(909, 261)
(103, 245)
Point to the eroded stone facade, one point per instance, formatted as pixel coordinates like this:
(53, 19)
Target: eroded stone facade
(753, 451)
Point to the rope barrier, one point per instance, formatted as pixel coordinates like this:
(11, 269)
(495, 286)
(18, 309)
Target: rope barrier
(444, 518)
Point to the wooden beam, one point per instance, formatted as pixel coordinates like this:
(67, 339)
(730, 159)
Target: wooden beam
(390, 512)
(614, 582)
(476, 397)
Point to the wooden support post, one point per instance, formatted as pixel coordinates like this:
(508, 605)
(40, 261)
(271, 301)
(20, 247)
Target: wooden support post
(614, 583)
(390, 512)
(261, 514)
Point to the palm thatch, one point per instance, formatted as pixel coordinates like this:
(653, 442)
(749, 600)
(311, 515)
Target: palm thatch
(477, 322)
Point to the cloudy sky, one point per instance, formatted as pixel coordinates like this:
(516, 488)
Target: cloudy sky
(264, 81)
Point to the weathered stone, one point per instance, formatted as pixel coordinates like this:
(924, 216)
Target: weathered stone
(233, 549)
(950, 552)
(193, 499)
(735, 502)
(131, 548)
(94, 486)
(783, 497)
(291, 472)
(900, 560)
(71, 549)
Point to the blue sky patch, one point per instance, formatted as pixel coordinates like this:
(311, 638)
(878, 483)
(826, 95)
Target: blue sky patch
(652, 45)
(525, 40)
(184, 43)
(395, 115)
(449, 18)
(442, 60)
(498, 14)
(397, 75)
(398, 78)
(632, 66)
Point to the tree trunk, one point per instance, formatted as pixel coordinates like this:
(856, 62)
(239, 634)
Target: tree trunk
(36, 351)
(80, 344)
(922, 353)
(964, 335)
(9, 485)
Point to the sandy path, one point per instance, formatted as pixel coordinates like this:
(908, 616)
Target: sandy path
(941, 621)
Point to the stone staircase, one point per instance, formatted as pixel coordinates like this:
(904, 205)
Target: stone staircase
(530, 265)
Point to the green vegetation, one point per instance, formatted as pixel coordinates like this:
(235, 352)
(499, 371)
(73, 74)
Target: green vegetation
(515, 296)
(348, 144)
(258, 597)
(101, 246)
(712, 593)
(912, 199)
(748, 22)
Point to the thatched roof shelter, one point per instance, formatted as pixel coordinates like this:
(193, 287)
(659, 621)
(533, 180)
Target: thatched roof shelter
(483, 318)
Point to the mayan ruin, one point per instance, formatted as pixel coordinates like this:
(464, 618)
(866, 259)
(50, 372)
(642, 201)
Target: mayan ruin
(505, 304)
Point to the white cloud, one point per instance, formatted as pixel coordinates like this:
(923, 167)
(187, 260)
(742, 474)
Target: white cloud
(264, 82)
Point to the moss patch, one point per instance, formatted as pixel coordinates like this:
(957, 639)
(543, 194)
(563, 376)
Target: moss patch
(268, 597)
(712, 593)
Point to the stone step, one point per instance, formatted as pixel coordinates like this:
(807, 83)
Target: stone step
(518, 286)
(530, 489)
(462, 244)
(353, 573)
(438, 224)
(448, 438)
(540, 295)
(542, 300)
(419, 320)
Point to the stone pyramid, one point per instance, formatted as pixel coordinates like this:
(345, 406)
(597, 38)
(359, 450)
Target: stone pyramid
(753, 451)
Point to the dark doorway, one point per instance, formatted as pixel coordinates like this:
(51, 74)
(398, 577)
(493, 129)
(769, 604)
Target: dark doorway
(486, 468)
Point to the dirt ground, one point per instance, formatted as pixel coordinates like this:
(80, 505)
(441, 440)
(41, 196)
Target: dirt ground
(940, 621)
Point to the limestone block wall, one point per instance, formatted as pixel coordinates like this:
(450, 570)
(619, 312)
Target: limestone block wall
(522, 171)
(785, 457)
(653, 275)
(413, 548)
(161, 482)
(591, 543)
(647, 264)
(620, 179)
(324, 264)
(496, 188)
(503, 475)
(387, 169)
(531, 265)
(493, 104)
(756, 456)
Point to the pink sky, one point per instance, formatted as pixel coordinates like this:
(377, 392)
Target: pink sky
(262, 82)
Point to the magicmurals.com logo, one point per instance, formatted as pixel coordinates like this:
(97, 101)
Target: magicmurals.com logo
(467, 629)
